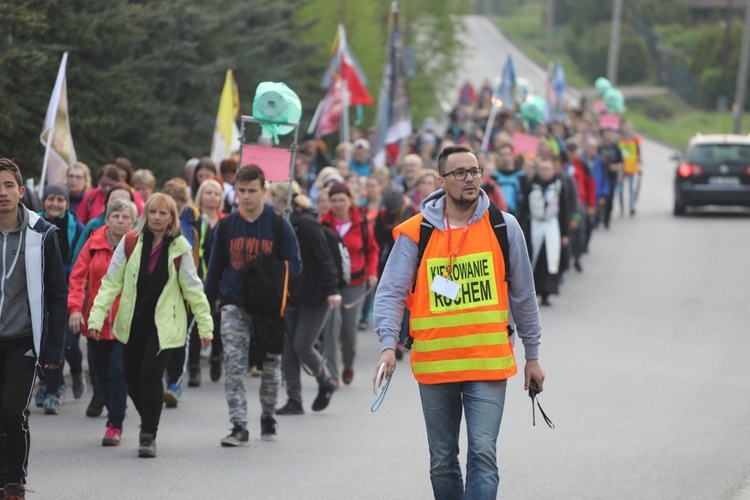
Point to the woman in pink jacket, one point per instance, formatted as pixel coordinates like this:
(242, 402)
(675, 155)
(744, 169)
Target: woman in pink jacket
(85, 280)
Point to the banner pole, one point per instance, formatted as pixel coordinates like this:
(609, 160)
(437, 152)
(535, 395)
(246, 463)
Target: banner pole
(291, 172)
(490, 124)
(345, 112)
(315, 118)
(43, 180)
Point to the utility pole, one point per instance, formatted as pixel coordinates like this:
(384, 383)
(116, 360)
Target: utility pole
(550, 26)
(739, 99)
(614, 42)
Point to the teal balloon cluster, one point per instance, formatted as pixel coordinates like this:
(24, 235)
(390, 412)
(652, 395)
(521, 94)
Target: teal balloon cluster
(612, 98)
(602, 85)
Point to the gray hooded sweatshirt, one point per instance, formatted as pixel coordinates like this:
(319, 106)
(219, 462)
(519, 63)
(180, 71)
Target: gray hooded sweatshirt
(401, 269)
(15, 316)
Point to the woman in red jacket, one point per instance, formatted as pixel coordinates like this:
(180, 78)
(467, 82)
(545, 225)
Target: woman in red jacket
(359, 239)
(93, 203)
(85, 280)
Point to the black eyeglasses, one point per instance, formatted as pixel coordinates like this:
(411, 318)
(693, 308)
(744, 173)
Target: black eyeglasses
(460, 174)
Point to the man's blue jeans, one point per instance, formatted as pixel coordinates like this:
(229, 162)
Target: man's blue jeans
(443, 405)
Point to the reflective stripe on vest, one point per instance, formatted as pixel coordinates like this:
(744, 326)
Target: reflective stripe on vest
(464, 319)
(477, 339)
(462, 365)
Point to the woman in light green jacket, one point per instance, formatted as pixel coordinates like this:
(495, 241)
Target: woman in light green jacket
(153, 268)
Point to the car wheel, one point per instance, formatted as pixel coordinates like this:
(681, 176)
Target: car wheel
(679, 208)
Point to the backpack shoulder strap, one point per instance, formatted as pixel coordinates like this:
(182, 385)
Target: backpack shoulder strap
(277, 227)
(365, 235)
(90, 204)
(223, 228)
(500, 227)
(130, 240)
(425, 233)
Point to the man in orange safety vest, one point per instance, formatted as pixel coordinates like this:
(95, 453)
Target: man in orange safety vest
(463, 302)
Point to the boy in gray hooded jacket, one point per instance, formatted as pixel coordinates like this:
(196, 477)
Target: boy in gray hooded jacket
(33, 296)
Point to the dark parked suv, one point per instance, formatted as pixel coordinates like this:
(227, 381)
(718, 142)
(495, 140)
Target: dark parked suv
(715, 171)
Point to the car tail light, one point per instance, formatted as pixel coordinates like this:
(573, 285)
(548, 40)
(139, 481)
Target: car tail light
(747, 171)
(687, 169)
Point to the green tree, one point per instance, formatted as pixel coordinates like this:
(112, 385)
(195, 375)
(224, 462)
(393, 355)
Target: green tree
(25, 60)
(583, 14)
(144, 76)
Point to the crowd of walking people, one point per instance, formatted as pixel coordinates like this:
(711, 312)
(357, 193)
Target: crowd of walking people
(156, 275)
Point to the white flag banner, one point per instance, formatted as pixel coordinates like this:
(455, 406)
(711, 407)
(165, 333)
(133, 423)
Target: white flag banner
(56, 136)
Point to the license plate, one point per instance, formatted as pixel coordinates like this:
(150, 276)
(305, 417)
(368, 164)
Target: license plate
(724, 181)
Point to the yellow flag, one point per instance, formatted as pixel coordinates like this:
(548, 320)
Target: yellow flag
(226, 133)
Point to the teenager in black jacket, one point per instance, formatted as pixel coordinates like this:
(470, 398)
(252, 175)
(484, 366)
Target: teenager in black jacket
(312, 295)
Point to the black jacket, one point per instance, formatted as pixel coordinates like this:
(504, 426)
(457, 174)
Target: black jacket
(319, 274)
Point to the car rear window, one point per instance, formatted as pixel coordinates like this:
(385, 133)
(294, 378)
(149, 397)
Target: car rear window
(709, 153)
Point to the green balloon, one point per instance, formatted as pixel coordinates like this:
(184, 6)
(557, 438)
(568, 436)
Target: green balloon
(602, 85)
(533, 109)
(276, 103)
(614, 100)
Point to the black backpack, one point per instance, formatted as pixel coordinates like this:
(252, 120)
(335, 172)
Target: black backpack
(341, 253)
(340, 256)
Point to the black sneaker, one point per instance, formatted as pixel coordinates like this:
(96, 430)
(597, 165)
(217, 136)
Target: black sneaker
(215, 363)
(268, 428)
(96, 406)
(324, 397)
(292, 407)
(147, 446)
(194, 376)
(238, 437)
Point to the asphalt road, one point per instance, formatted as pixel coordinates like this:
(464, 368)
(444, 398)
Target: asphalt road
(645, 353)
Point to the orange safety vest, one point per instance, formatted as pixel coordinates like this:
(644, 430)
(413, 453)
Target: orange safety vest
(466, 339)
(629, 148)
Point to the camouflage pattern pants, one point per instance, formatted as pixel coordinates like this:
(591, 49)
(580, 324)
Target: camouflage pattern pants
(236, 331)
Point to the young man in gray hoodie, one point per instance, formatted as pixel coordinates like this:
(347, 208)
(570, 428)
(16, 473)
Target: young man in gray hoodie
(461, 306)
(33, 301)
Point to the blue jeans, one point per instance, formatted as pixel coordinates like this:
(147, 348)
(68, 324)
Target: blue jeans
(632, 192)
(109, 367)
(442, 405)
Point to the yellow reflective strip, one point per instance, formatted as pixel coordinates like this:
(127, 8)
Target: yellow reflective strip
(463, 341)
(462, 365)
(464, 319)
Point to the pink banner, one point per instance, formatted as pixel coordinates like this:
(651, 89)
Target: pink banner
(274, 162)
(609, 122)
(525, 143)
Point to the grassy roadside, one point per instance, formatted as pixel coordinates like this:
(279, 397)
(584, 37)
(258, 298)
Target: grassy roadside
(667, 120)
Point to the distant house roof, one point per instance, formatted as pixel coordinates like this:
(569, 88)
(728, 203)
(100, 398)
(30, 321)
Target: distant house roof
(713, 4)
